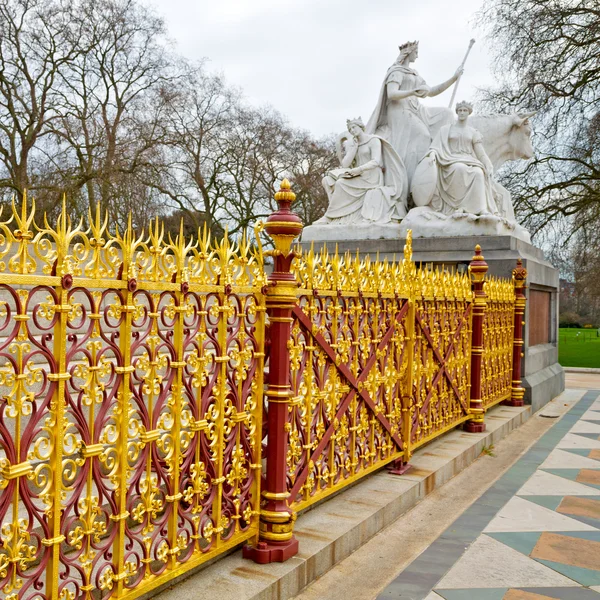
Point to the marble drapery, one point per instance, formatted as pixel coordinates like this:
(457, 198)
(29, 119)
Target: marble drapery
(406, 123)
(378, 194)
(459, 181)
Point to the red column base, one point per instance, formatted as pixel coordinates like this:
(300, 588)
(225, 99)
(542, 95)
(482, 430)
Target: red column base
(513, 403)
(267, 552)
(474, 427)
(398, 467)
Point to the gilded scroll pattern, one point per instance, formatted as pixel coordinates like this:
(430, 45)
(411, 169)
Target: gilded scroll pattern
(130, 405)
(441, 365)
(380, 357)
(498, 332)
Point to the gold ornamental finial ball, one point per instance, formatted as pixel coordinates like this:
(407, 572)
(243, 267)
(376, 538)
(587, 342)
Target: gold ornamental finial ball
(285, 192)
(478, 267)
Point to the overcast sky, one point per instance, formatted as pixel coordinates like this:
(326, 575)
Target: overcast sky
(321, 61)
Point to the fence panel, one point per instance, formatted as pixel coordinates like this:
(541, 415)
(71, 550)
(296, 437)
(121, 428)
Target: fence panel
(380, 359)
(349, 367)
(498, 333)
(441, 366)
(130, 421)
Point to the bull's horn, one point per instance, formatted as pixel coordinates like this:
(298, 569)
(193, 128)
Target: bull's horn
(520, 117)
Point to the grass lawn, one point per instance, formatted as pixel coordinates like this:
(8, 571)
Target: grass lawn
(581, 350)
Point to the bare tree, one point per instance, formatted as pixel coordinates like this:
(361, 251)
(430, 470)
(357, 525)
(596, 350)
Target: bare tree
(113, 104)
(548, 59)
(98, 106)
(312, 159)
(38, 41)
(201, 115)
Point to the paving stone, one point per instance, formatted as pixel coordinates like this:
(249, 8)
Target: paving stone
(521, 515)
(568, 550)
(490, 564)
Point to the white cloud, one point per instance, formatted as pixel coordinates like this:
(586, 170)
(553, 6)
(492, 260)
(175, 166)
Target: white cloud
(319, 62)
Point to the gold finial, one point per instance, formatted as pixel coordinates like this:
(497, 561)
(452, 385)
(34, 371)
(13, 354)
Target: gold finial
(285, 192)
(408, 246)
(478, 267)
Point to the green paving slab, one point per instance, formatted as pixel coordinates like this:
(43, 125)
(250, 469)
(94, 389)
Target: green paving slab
(563, 593)
(589, 436)
(522, 541)
(572, 475)
(473, 594)
(565, 473)
(586, 577)
(551, 502)
(579, 451)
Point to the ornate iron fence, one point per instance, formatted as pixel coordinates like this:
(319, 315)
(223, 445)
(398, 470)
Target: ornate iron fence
(380, 364)
(134, 426)
(498, 338)
(348, 371)
(130, 421)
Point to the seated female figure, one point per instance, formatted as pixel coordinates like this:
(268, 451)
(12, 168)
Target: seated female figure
(456, 174)
(370, 186)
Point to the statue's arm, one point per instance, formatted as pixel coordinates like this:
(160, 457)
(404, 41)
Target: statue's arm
(442, 87)
(376, 161)
(351, 147)
(395, 93)
(481, 154)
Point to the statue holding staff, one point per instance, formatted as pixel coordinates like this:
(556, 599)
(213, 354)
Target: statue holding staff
(400, 118)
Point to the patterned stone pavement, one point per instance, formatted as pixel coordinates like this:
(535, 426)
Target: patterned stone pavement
(534, 535)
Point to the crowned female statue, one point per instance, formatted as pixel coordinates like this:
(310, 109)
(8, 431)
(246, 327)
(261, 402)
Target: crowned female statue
(456, 173)
(400, 118)
(371, 186)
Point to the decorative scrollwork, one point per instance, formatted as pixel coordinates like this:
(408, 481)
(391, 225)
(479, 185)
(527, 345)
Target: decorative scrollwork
(130, 403)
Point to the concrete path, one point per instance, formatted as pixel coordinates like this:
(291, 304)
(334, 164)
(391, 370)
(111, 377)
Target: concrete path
(533, 533)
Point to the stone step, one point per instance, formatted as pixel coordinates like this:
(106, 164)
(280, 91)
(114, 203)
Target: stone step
(334, 529)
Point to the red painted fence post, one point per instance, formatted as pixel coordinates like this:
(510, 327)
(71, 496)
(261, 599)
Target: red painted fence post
(477, 269)
(276, 539)
(519, 279)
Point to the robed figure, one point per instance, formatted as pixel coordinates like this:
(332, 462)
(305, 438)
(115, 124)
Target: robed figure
(456, 175)
(371, 186)
(399, 116)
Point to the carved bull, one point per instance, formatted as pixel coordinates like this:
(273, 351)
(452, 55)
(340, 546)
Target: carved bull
(505, 137)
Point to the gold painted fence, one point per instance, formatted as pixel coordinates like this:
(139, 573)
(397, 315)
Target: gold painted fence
(380, 365)
(131, 406)
(132, 401)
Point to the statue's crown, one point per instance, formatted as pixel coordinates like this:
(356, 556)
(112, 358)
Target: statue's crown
(358, 121)
(464, 104)
(409, 46)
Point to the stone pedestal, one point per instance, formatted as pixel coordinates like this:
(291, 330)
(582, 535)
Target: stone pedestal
(543, 377)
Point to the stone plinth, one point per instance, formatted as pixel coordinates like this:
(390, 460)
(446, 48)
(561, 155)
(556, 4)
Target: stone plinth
(354, 231)
(423, 222)
(543, 377)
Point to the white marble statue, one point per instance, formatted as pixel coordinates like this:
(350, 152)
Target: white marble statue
(453, 188)
(400, 118)
(371, 185)
(456, 174)
(505, 138)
